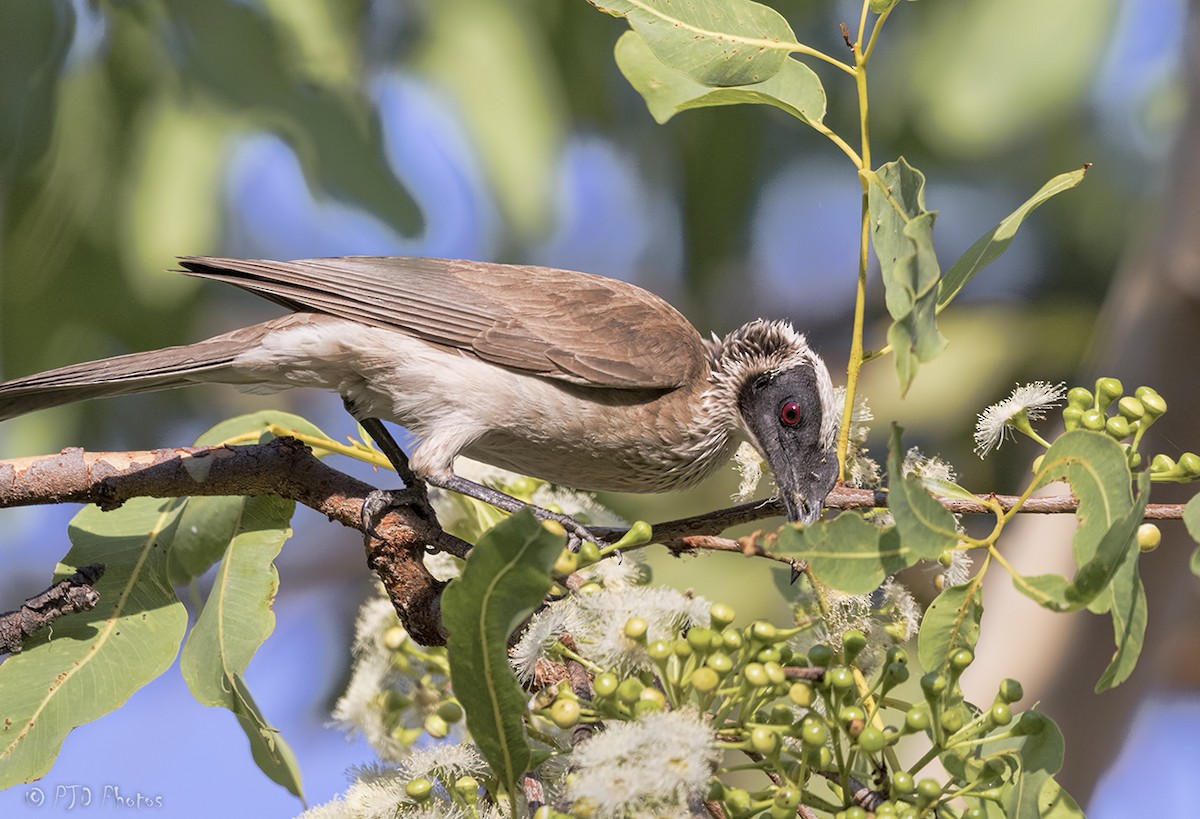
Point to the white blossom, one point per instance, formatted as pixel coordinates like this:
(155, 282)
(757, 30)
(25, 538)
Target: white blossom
(1027, 402)
(653, 766)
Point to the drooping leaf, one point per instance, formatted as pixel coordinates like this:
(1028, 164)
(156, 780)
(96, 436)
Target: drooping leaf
(91, 662)
(924, 525)
(716, 42)
(951, 622)
(505, 577)
(1056, 803)
(1127, 607)
(848, 553)
(902, 235)
(991, 245)
(234, 622)
(795, 88)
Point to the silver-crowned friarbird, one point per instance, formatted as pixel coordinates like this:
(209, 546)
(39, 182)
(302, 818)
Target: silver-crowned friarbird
(578, 379)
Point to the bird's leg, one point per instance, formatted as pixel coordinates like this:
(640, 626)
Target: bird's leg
(577, 533)
(380, 500)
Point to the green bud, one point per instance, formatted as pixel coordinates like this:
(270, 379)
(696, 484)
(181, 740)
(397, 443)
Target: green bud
(450, 711)
(468, 788)
(567, 562)
(635, 629)
(1107, 391)
(419, 788)
(700, 639)
(853, 642)
(719, 662)
(755, 675)
(1010, 690)
(731, 638)
(659, 650)
(395, 638)
(1117, 427)
(653, 696)
(763, 632)
(1148, 537)
(1079, 398)
(605, 684)
(1161, 463)
(903, 782)
(564, 713)
(1189, 464)
(871, 739)
(629, 690)
(764, 740)
(589, 553)
(1152, 402)
(802, 694)
(1131, 408)
(704, 679)
(721, 614)
(1072, 416)
(820, 655)
(1093, 419)
(436, 727)
(775, 672)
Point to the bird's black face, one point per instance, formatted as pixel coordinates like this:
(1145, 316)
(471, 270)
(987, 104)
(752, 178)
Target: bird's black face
(784, 411)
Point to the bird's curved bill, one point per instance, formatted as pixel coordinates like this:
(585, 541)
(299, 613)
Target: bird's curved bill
(804, 490)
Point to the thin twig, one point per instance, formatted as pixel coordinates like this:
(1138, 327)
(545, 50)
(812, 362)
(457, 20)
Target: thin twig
(74, 594)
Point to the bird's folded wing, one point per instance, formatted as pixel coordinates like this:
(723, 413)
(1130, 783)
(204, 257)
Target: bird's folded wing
(577, 327)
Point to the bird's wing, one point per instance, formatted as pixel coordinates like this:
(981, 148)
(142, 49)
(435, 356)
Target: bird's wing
(577, 327)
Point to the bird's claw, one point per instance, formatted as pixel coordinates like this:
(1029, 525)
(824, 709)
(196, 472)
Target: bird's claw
(379, 502)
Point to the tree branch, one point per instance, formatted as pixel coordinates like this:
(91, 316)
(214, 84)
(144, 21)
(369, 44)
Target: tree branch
(74, 594)
(282, 466)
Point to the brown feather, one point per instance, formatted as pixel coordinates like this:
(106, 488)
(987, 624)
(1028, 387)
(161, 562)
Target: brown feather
(548, 322)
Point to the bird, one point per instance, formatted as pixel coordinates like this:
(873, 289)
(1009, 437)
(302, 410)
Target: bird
(577, 379)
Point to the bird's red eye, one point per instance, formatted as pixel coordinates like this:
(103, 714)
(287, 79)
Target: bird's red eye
(790, 414)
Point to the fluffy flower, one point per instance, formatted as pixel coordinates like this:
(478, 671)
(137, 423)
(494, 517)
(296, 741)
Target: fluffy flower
(654, 766)
(1027, 403)
(597, 623)
(750, 467)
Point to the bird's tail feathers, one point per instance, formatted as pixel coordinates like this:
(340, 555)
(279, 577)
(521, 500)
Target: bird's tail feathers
(204, 361)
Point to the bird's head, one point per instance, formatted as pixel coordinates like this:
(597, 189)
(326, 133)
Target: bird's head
(785, 403)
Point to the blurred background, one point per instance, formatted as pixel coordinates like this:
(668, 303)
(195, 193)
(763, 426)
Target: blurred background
(134, 131)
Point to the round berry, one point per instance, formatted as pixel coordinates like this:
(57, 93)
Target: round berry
(1148, 537)
(721, 615)
(1000, 714)
(802, 694)
(564, 713)
(605, 684)
(704, 679)
(871, 740)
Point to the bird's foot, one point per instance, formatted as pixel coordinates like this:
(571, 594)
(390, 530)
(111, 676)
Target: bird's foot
(379, 502)
(577, 533)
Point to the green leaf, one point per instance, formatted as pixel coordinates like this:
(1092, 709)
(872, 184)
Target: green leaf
(950, 623)
(1037, 744)
(848, 553)
(234, 622)
(1194, 563)
(880, 6)
(209, 523)
(258, 422)
(1127, 607)
(667, 91)
(903, 240)
(1191, 518)
(1055, 803)
(1096, 468)
(924, 525)
(505, 577)
(89, 663)
(716, 42)
(992, 244)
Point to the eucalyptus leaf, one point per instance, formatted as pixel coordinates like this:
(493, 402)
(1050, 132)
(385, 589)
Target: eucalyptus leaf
(1129, 612)
(716, 42)
(1098, 473)
(1194, 563)
(951, 622)
(924, 525)
(505, 577)
(91, 662)
(1191, 518)
(236, 620)
(880, 6)
(795, 89)
(991, 245)
(847, 553)
(902, 235)
(1037, 743)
